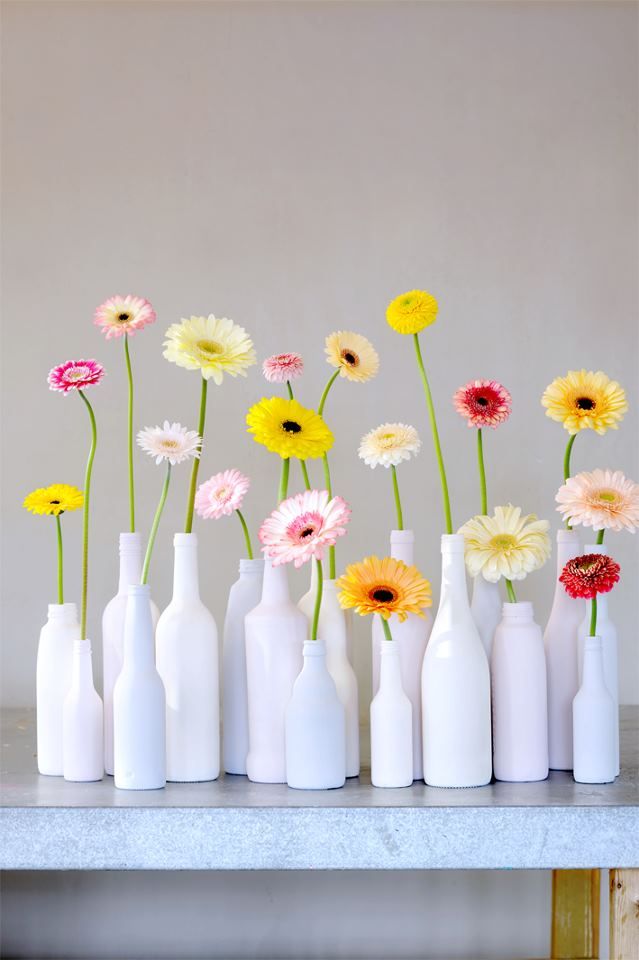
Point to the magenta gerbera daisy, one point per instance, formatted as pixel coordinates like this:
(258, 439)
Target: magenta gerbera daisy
(484, 403)
(592, 573)
(75, 375)
(282, 367)
(221, 495)
(302, 526)
(118, 315)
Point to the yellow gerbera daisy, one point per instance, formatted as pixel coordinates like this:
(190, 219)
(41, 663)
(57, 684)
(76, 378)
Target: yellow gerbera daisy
(54, 500)
(384, 586)
(289, 429)
(506, 545)
(412, 312)
(213, 345)
(353, 355)
(584, 400)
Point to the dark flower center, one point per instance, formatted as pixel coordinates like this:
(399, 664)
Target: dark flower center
(383, 595)
(123, 317)
(54, 502)
(307, 532)
(585, 403)
(291, 426)
(350, 357)
(482, 401)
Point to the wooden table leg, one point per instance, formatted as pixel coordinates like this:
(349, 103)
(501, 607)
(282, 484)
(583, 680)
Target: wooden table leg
(624, 914)
(575, 915)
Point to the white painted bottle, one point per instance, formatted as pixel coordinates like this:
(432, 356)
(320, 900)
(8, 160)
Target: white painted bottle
(187, 661)
(113, 632)
(595, 758)
(411, 638)
(520, 711)
(275, 636)
(560, 641)
(244, 595)
(486, 609)
(391, 724)
(53, 681)
(82, 721)
(139, 705)
(455, 685)
(315, 731)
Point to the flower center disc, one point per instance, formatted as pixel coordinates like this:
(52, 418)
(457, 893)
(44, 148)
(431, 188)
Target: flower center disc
(608, 496)
(503, 541)
(123, 317)
(169, 444)
(350, 357)
(78, 373)
(482, 401)
(291, 426)
(383, 595)
(209, 348)
(585, 403)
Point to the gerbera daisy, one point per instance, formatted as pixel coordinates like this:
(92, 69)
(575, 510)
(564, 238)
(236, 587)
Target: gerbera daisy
(583, 400)
(75, 375)
(213, 345)
(601, 499)
(303, 526)
(221, 495)
(412, 312)
(287, 428)
(386, 587)
(592, 573)
(118, 315)
(171, 442)
(389, 444)
(54, 500)
(353, 356)
(484, 403)
(282, 367)
(506, 545)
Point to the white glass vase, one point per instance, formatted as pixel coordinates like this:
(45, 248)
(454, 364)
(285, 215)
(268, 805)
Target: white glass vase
(455, 685)
(82, 721)
(485, 607)
(315, 726)
(139, 705)
(53, 681)
(520, 712)
(411, 638)
(594, 721)
(275, 635)
(244, 595)
(113, 632)
(187, 661)
(391, 724)
(560, 642)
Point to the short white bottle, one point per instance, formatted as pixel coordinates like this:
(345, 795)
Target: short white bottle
(53, 681)
(486, 609)
(594, 747)
(139, 720)
(391, 724)
(82, 721)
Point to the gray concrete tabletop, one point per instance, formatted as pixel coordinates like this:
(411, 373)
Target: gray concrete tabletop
(233, 824)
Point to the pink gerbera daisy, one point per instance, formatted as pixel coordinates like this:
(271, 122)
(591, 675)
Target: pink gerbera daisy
(586, 576)
(282, 367)
(221, 495)
(75, 375)
(601, 499)
(484, 403)
(303, 526)
(120, 315)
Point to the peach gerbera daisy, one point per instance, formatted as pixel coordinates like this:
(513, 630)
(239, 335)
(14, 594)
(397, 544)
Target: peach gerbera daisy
(601, 499)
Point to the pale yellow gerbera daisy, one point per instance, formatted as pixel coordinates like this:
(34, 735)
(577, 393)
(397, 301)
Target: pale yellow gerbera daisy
(213, 345)
(389, 444)
(584, 400)
(506, 545)
(353, 355)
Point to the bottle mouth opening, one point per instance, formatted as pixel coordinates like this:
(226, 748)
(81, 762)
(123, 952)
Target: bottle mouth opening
(314, 648)
(402, 536)
(184, 539)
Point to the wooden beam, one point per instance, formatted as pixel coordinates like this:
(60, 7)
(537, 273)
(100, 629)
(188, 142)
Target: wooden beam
(575, 915)
(624, 914)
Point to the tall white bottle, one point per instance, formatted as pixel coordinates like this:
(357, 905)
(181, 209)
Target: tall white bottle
(244, 595)
(187, 661)
(520, 712)
(411, 638)
(82, 721)
(391, 724)
(53, 681)
(486, 609)
(139, 705)
(594, 721)
(455, 685)
(609, 647)
(560, 641)
(275, 636)
(333, 630)
(113, 632)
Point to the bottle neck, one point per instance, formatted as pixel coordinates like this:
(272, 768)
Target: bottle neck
(402, 545)
(592, 673)
(130, 560)
(139, 650)
(517, 613)
(453, 575)
(567, 548)
(390, 669)
(251, 569)
(82, 665)
(62, 613)
(275, 586)
(185, 568)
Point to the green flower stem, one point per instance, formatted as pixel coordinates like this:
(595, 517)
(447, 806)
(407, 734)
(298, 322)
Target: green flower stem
(482, 473)
(329, 490)
(318, 599)
(60, 561)
(307, 482)
(283, 491)
(433, 426)
(387, 630)
(85, 519)
(247, 536)
(188, 527)
(510, 590)
(600, 536)
(130, 435)
(155, 525)
(331, 381)
(567, 467)
(593, 616)
(291, 396)
(398, 503)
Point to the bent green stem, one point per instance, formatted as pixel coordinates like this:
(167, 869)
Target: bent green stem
(318, 599)
(60, 561)
(291, 396)
(567, 467)
(398, 503)
(387, 630)
(155, 525)
(283, 491)
(331, 381)
(188, 527)
(247, 536)
(433, 426)
(85, 519)
(130, 435)
(593, 616)
(482, 473)
(510, 590)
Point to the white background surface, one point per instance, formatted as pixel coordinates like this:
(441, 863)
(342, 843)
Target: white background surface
(295, 166)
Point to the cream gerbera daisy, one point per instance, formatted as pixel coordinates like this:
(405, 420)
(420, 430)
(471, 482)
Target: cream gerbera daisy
(171, 442)
(602, 499)
(213, 345)
(389, 444)
(506, 545)
(353, 355)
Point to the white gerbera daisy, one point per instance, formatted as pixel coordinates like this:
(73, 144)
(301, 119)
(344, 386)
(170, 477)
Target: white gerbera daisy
(171, 442)
(212, 345)
(507, 545)
(389, 444)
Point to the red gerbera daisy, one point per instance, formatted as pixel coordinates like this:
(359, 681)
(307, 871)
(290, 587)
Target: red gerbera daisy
(590, 574)
(484, 403)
